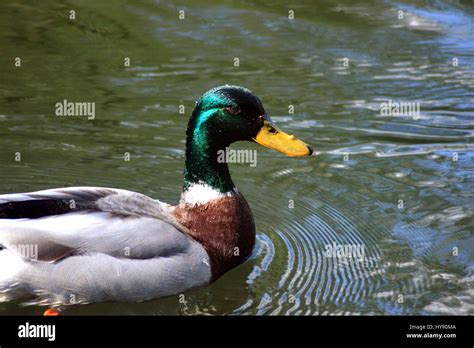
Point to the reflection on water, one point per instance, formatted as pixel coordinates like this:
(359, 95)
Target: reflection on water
(398, 187)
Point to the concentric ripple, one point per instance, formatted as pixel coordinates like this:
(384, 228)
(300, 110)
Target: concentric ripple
(306, 279)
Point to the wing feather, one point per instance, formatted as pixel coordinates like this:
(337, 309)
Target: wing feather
(77, 220)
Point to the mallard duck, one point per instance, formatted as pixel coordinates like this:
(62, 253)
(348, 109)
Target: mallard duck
(90, 244)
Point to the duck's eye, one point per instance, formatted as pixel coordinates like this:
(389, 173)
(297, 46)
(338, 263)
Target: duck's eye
(272, 130)
(233, 110)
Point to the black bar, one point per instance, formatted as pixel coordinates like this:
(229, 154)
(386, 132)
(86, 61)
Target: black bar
(135, 330)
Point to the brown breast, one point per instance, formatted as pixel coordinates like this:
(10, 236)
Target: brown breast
(225, 228)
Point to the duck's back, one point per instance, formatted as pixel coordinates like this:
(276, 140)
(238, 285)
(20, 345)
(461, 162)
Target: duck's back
(93, 244)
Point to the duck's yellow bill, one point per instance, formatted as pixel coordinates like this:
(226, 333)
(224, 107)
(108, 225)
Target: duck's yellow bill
(274, 138)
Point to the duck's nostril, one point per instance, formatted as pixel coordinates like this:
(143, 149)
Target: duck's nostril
(310, 149)
(272, 130)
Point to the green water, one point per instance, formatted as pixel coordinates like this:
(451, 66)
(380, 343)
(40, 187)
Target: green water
(418, 252)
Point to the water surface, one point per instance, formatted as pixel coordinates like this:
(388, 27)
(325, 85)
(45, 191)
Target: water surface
(348, 194)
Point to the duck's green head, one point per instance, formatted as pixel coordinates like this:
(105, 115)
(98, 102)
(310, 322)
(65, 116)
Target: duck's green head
(222, 116)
